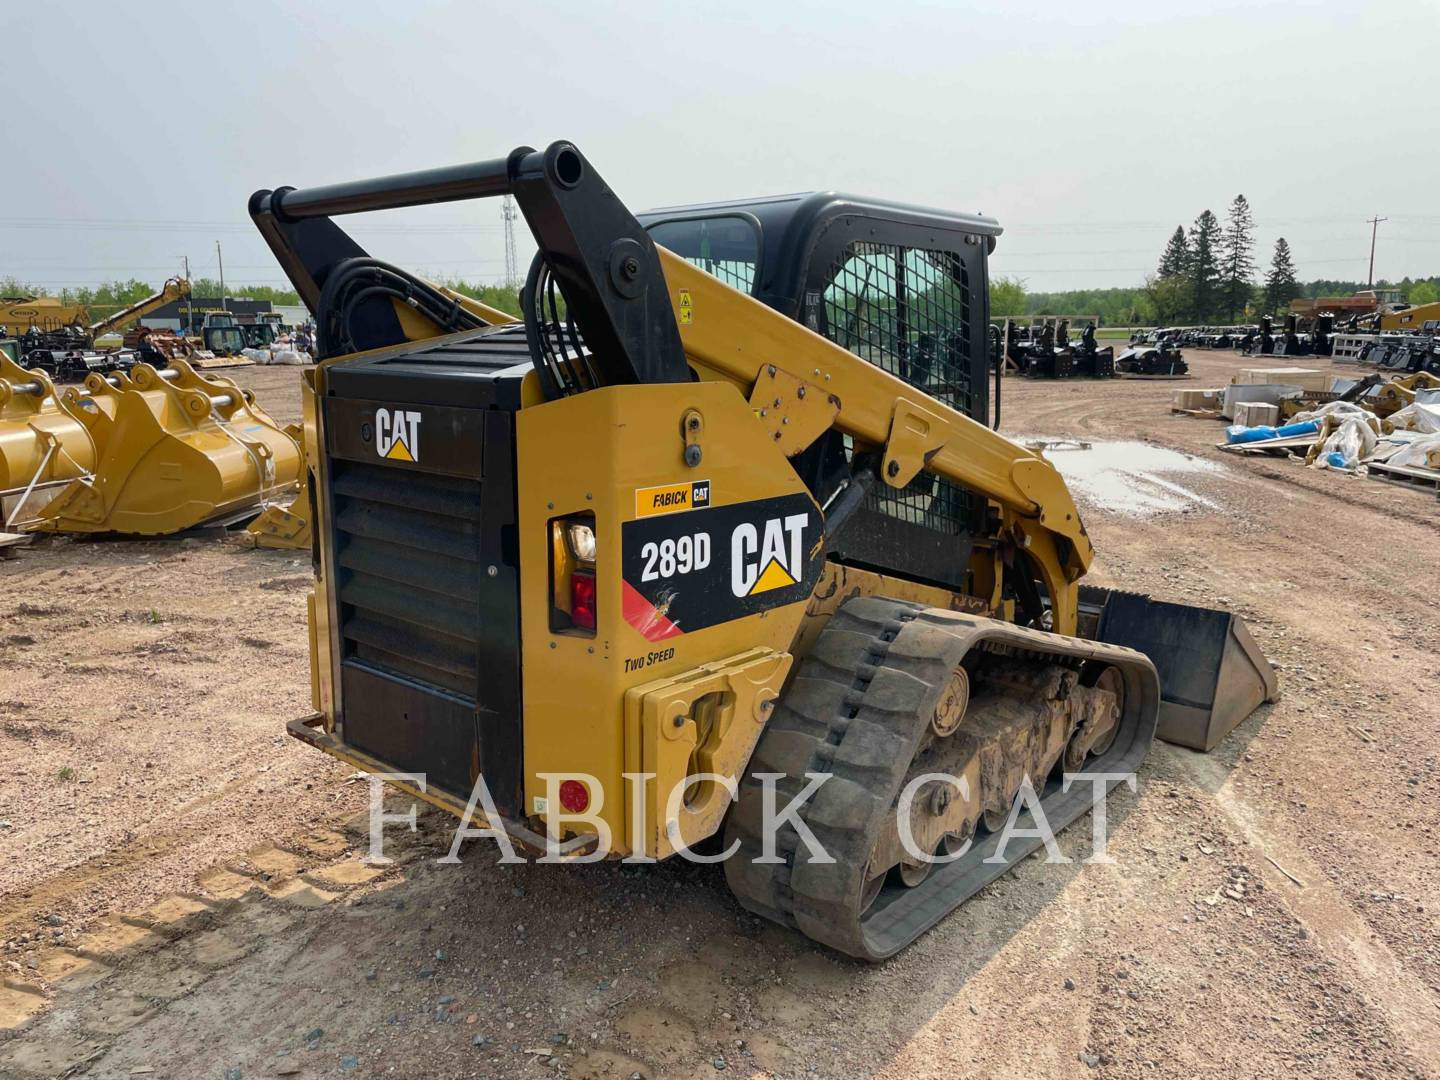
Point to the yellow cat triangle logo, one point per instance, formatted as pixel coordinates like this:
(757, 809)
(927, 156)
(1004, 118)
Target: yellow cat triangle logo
(397, 434)
(774, 576)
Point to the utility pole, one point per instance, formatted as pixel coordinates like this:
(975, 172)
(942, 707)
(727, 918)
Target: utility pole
(1374, 228)
(219, 259)
(189, 302)
(508, 213)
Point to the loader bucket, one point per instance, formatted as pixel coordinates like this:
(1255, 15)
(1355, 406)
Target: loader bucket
(1212, 674)
(42, 440)
(286, 525)
(178, 451)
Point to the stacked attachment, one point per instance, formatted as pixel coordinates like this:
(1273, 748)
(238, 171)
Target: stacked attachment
(175, 449)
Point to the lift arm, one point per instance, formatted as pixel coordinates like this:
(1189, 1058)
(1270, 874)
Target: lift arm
(738, 338)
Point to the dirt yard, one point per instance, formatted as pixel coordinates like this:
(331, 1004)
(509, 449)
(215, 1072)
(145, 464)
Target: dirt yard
(181, 893)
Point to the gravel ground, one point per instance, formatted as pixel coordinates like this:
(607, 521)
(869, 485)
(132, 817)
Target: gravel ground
(180, 894)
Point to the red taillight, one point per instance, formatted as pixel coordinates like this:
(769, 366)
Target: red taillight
(582, 601)
(574, 796)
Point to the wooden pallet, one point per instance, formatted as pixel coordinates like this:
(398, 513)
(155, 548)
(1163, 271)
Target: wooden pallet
(1405, 475)
(1292, 442)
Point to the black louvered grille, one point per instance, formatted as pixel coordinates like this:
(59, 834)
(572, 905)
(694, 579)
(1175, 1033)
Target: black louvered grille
(407, 546)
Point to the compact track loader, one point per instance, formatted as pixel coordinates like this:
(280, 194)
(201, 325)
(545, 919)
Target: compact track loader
(722, 510)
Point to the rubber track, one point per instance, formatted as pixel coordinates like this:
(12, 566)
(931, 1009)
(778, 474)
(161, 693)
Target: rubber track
(857, 709)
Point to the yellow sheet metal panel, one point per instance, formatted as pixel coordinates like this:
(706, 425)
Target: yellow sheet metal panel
(702, 724)
(659, 615)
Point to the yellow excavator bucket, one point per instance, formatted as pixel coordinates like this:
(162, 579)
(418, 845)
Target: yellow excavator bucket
(286, 525)
(177, 449)
(42, 439)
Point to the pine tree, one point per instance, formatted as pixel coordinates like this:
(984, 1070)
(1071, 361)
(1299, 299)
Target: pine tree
(1204, 265)
(1280, 284)
(1237, 265)
(1175, 255)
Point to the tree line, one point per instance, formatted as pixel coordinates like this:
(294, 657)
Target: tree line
(1135, 305)
(1208, 273)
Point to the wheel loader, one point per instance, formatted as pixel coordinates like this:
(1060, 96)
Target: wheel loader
(720, 521)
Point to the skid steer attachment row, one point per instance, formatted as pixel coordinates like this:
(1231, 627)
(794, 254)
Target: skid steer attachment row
(176, 449)
(725, 503)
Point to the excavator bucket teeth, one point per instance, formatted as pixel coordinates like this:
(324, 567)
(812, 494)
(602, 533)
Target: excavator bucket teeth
(1212, 673)
(175, 450)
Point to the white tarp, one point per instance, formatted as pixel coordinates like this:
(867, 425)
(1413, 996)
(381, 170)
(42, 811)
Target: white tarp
(1417, 416)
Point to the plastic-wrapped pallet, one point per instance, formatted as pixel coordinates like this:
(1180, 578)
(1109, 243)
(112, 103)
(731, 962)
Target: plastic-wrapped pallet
(1417, 416)
(1347, 444)
(1421, 453)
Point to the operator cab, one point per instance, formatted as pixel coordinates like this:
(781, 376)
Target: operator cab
(902, 287)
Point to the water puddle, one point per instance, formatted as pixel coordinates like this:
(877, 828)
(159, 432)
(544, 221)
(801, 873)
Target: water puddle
(1127, 477)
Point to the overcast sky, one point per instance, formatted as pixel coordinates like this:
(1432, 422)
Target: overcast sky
(134, 132)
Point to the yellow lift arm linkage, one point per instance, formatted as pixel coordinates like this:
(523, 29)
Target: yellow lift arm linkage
(801, 384)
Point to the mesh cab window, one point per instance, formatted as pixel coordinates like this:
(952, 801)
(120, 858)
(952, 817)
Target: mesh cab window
(726, 247)
(907, 310)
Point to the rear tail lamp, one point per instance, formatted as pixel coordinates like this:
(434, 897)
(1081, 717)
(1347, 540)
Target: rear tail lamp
(582, 599)
(573, 588)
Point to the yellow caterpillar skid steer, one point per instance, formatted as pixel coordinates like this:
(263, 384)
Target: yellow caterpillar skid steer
(719, 525)
(176, 449)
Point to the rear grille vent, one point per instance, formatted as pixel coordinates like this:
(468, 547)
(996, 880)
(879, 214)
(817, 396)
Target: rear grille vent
(407, 549)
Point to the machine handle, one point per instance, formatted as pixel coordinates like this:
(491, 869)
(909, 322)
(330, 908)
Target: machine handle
(452, 183)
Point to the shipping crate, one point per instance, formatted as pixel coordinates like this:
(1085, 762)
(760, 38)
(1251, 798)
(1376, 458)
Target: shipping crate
(1255, 413)
(1305, 378)
(1195, 399)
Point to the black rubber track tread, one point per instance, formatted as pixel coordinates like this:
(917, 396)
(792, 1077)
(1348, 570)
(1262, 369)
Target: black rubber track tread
(857, 709)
